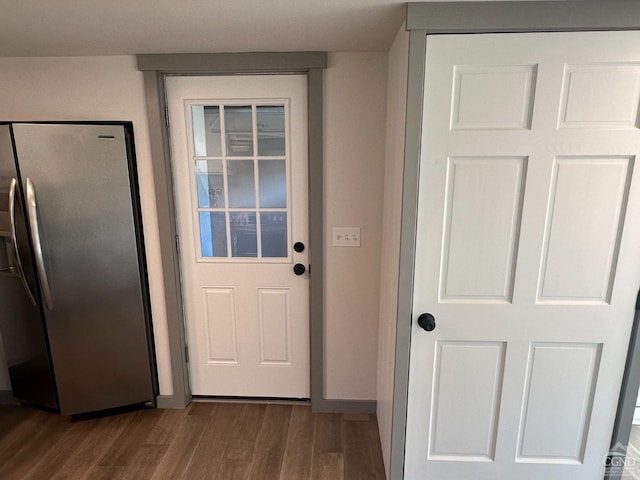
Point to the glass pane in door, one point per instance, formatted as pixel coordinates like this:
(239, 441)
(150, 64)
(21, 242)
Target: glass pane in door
(274, 234)
(207, 139)
(210, 183)
(242, 190)
(273, 183)
(238, 130)
(213, 234)
(243, 234)
(270, 126)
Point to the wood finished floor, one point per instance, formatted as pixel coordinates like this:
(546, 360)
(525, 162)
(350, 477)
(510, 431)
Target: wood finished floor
(222, 441)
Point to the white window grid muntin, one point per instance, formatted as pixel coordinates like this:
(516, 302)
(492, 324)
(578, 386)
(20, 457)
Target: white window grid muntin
(253, 103)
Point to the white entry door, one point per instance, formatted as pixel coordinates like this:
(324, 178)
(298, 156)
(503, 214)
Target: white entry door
(528, 254)
(239, 154)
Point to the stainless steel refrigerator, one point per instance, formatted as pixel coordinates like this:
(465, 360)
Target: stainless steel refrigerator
(74, 307)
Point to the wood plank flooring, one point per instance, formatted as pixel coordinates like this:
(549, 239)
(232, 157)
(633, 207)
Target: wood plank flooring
(218, 441)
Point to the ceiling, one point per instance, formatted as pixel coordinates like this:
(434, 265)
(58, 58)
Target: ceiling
(120, 27)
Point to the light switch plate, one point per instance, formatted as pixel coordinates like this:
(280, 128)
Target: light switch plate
(346, 236)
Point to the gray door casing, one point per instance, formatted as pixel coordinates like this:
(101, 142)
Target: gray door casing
(155, 69)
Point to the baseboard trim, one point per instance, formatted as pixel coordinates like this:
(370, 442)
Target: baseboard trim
(170, 401)
(344, 406)
(6, 398)
(324, 406)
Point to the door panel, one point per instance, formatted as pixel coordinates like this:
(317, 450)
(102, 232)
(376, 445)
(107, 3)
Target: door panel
(482, 223)
(467, 391)
(526, 254)
(23, 333)
(511, 88)
(557, 401)
(221, 326)
(613, 91)
(584, 225)
(275, 326)
(239, 147)
(95, 320)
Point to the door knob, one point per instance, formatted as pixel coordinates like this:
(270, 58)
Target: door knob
(427, 322)
(298, 247)
(299, 269)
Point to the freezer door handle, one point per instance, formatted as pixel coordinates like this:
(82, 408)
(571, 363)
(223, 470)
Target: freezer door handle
(32, 214)
(14, 241)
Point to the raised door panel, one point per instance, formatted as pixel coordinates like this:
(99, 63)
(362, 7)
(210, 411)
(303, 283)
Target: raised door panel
(557, 402)
(600, 96)
(493, 97)
(221, 326)
(482, 223)
(275, 326)
(584, 225)
(466, 406)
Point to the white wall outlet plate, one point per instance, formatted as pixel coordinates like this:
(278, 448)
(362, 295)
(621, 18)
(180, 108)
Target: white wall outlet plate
(346, 236)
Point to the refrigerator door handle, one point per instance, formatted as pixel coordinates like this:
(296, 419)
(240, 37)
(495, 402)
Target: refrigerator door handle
(32, 215)
(14, 241)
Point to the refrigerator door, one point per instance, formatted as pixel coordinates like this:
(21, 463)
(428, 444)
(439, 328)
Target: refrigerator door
(21, 325)
(79, 207)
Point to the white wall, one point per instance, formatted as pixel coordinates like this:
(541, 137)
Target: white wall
(354, 127)
(394, 159)
(92, 88)
(111, 88)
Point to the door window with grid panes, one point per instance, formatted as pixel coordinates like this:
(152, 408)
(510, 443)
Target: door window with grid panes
(241, 162)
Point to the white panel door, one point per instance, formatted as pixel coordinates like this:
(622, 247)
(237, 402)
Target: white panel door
(239, 156)
(528, 254)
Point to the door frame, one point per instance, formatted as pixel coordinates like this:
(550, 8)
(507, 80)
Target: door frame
(423, 20)
(155, 68)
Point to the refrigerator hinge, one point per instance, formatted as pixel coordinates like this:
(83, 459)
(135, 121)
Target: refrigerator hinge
(178, 244)
(166, 116)
(186, 353)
